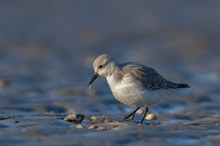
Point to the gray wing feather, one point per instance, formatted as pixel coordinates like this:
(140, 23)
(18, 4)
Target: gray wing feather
(149, 77)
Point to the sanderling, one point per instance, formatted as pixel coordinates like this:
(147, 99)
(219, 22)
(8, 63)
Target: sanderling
(133, 84)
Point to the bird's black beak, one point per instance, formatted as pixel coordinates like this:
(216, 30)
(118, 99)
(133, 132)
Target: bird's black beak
(93, 79)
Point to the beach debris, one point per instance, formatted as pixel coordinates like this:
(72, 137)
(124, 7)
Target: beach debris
(92, 127)
(101, 118)
(140, 111)
(79, 126)
(75, 118)
(151, 117)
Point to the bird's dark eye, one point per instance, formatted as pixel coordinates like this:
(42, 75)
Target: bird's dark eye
(100, 66)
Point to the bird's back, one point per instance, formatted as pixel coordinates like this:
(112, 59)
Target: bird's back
(149, 77)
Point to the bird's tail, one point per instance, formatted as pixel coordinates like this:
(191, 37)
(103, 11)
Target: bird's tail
(176, 85)
(182, 86)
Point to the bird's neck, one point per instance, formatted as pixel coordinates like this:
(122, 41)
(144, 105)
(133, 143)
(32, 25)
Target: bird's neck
(114, 68)
(115, 74)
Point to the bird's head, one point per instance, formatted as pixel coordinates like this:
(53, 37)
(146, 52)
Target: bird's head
(103, 65)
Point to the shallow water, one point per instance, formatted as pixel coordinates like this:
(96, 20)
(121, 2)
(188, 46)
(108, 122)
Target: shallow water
(46, 53)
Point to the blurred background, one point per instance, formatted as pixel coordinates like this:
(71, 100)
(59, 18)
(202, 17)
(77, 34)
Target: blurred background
(47, 48)
(50, 45)
(53, 42)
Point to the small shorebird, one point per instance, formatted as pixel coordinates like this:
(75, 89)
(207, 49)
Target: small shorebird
(133, 84)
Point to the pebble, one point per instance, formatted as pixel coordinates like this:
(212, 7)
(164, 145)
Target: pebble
(92, 127)
(140, 111)
(150, 117)
(79, 126)
(73, 117)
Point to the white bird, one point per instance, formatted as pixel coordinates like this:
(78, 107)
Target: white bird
(133, 84)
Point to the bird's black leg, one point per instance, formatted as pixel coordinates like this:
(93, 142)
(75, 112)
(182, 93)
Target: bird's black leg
(132, 114)
(146, 110)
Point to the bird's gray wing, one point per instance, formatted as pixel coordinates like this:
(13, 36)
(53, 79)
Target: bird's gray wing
(149, 77)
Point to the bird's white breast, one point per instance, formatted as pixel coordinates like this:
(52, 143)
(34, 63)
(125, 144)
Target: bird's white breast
(130, 91)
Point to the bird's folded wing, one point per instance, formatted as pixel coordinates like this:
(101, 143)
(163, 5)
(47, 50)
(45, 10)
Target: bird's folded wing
(149, 77)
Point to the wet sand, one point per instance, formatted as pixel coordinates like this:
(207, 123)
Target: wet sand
(46, 53)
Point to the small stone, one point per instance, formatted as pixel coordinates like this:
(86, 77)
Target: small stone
(150, 117)
(73, 117)
(70, 117)
(79, 126)
(93, 127)
(140, 111)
